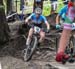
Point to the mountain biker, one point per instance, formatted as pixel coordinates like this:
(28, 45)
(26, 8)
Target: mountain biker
(38, 19)
(62, 16)
(69, 10)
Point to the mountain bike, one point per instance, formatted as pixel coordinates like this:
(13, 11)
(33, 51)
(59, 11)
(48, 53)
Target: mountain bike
(70, 49)
(31, 48)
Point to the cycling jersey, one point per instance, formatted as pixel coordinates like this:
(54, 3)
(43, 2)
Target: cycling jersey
(63, 16)
(39, 20)
(63, 11)
(69, 17)
(70, 13)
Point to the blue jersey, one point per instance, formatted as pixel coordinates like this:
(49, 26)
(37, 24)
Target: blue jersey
(63, 12)
(69, 13)
(40, 20)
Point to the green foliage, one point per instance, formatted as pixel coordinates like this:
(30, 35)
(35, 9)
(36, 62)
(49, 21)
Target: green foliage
(46, 7)
(46, 11)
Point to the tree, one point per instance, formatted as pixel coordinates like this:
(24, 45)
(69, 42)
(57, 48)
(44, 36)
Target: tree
(10, 6)
(4, 29)
(21, 4)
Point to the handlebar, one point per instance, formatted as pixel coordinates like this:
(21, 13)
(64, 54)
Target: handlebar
(59, 30)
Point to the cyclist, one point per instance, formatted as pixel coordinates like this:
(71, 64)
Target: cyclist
(69, 10)
(38, 19)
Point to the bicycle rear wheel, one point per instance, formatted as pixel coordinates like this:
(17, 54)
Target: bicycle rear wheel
(30, 49)
(71, 46)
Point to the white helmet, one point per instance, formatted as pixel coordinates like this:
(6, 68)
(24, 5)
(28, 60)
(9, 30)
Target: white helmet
(38, 10)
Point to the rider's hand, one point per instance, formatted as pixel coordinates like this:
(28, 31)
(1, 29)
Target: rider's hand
(57, 26)
(26, 21)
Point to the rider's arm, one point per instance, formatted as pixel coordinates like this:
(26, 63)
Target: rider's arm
(28, 18)
(58, 19)
(48, 26)
(62, 11)
(46, 22)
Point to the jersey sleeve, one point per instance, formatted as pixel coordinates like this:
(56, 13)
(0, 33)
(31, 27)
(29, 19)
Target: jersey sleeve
(44, 19)
(63, 10)
(31, 16)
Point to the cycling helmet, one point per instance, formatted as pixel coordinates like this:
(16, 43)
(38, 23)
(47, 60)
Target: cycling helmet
(38, 10)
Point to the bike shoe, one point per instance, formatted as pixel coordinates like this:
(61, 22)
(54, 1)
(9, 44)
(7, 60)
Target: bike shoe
(60, 56)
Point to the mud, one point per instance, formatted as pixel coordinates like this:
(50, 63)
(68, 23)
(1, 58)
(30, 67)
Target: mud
(11, 56)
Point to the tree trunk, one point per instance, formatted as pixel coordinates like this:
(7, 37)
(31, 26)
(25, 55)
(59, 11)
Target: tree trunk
(4, 29)
(21, 4)
(38, 3)
(9, 6)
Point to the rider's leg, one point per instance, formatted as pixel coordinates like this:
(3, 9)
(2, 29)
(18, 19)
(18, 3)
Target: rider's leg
(42, 36)
(29, 36)
(63, 42)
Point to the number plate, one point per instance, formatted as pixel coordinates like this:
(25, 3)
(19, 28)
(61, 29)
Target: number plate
(36, 29)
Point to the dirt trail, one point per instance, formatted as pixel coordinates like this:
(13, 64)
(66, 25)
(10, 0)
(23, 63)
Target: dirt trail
(11, 57)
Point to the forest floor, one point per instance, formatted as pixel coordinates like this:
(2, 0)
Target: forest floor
(11, 57)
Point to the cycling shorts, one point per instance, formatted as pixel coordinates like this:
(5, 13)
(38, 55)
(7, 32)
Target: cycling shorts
(68, 24)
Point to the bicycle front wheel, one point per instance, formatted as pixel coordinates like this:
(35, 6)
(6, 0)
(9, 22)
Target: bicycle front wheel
(30, 49)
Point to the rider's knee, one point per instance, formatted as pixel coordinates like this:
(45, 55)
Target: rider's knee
(31, 30)
(43, 35)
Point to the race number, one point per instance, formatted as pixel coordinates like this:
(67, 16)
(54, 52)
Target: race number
(36, 29)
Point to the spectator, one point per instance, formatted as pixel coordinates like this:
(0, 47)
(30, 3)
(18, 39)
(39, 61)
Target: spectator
(53, 6)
